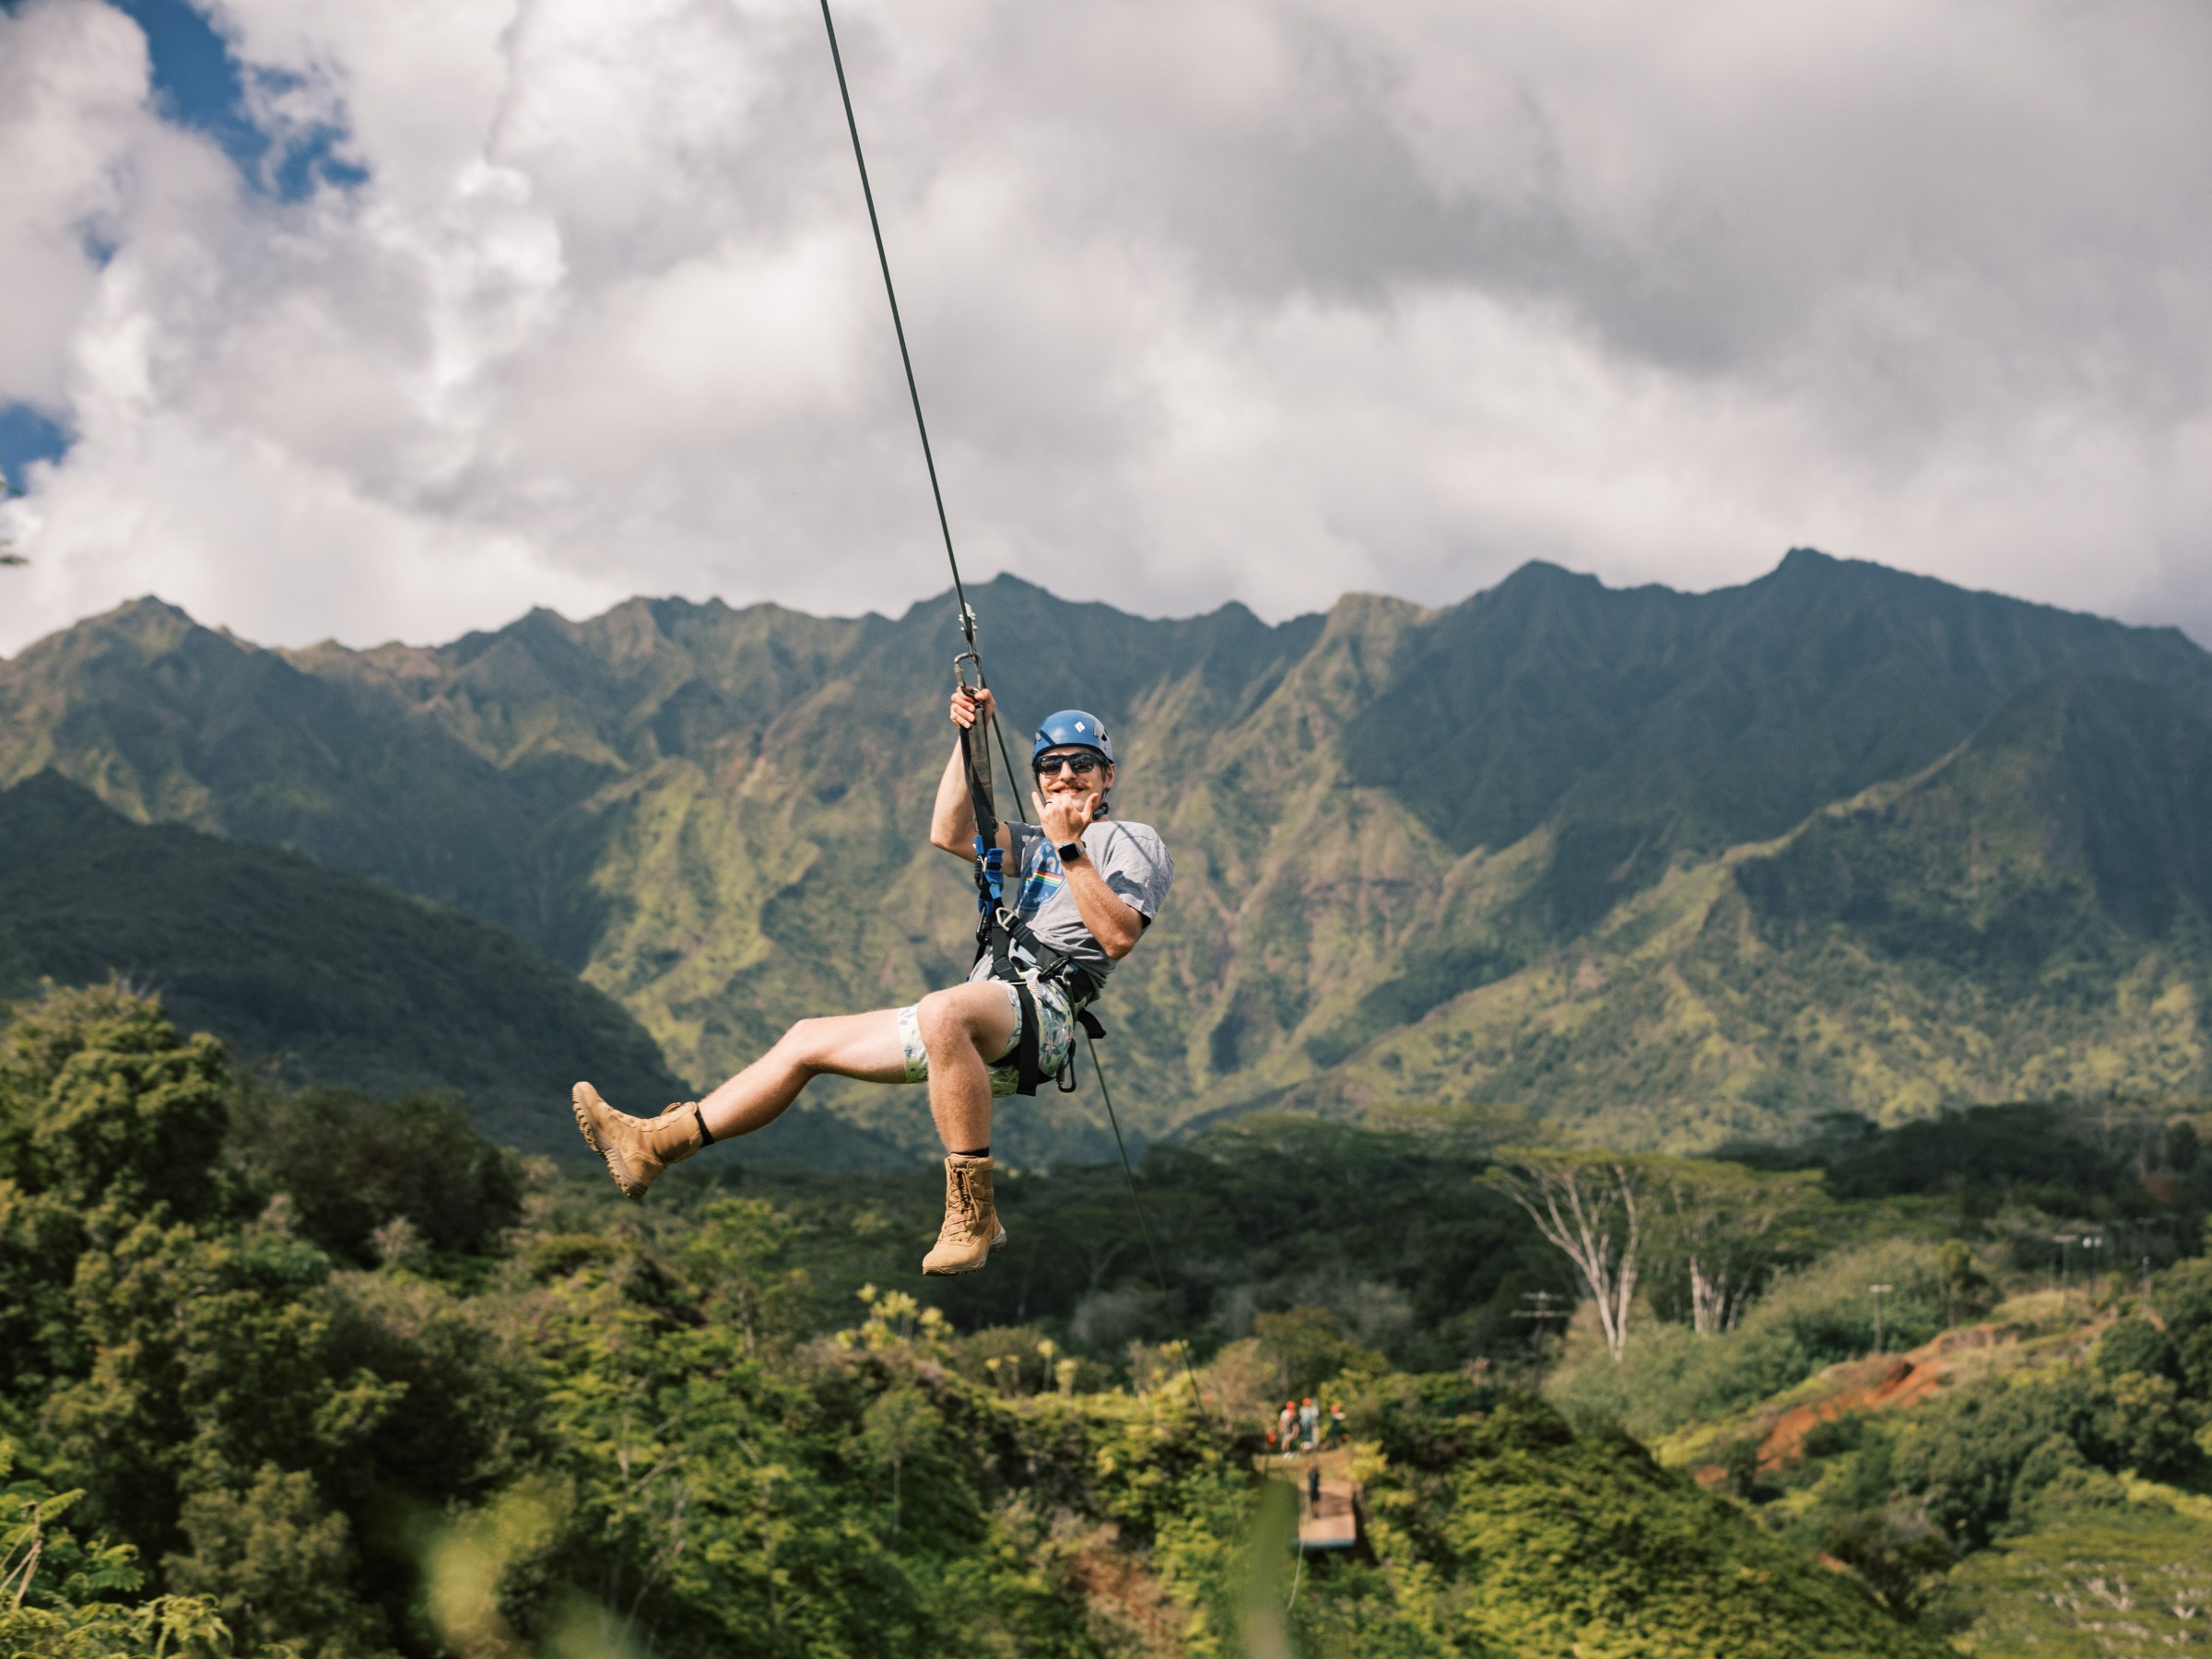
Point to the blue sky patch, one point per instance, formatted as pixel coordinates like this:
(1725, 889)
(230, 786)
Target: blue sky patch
(26, 436)
(199, 83)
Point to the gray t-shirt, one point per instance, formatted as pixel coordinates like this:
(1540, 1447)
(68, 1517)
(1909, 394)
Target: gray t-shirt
(1132, 858)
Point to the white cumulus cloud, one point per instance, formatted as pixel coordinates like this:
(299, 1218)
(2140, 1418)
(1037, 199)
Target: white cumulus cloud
(1209, 300)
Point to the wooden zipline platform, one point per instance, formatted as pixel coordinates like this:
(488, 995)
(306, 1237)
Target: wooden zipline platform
(1333, 1523)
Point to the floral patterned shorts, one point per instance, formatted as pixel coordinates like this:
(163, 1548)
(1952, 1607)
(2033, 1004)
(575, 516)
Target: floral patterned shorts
(1055, 1036)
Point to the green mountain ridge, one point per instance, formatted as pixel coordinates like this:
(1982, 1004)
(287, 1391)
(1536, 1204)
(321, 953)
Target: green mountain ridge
(340, 980)
(1497, 851)
(2024, 918)
(2086, 783)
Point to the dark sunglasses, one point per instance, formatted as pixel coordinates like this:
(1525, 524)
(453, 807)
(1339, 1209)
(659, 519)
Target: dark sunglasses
(1044, 766)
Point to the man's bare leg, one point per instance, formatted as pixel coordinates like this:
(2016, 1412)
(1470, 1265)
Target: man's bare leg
(960, 1026)
(848, 1045)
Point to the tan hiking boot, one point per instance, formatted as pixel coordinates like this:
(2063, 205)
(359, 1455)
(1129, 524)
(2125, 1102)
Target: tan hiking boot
(637, 1149)
(971, 1230)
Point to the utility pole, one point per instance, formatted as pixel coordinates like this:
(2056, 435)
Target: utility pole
(1543, 1305)
(2063, 1241)
(1879, 1291)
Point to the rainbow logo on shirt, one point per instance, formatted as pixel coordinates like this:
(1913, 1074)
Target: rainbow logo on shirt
(1041, 884)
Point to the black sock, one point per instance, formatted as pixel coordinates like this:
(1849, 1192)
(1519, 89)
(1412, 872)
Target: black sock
(982, 1151)
(706, 1136)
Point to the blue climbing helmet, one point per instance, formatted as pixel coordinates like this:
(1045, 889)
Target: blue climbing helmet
(1071, 728)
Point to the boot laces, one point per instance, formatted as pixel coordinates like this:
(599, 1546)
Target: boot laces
(967, 1208)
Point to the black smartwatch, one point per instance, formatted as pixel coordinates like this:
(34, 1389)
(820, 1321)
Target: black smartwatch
(1068, 850)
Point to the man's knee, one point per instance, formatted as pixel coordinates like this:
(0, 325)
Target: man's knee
(941, 1017)
(949, 1016)
(804, 1040)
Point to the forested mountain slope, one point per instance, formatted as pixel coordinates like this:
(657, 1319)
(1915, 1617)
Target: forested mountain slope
(283, 1393)
(1531, 848)
(342, 980)
(2028, 917)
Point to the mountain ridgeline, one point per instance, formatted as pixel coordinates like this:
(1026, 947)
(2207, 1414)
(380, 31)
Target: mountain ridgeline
(334, 979)
(1661, 868)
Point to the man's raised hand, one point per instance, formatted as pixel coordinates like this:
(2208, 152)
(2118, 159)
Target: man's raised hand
(1063, 818)
(970, 703)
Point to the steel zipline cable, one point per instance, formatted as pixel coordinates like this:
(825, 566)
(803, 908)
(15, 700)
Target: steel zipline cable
(913, 393)
(959, 592)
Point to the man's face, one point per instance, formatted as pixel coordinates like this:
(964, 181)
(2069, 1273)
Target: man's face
(1059, 772)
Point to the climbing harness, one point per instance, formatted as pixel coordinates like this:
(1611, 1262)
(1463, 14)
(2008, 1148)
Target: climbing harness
(1004, 939)
(1000, 931)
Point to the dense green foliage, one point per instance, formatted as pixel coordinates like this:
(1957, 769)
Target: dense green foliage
(2030, 1467)
(1262, 1215)
(1535, 1540)
(2051, 1464)
(572, 1427)
(2129, 1584)
(341, 980)
(1810, 1320)
(1661, 868)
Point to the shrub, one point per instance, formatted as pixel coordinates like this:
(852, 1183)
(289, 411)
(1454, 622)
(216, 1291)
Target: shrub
(1308, 1347)
(2183, 1295)
(2153, 1431)
(2056, 1481)
(1669, 1377)
(354, 1164)
(102, 1102)
(2137, 1344)
(278, 1566)
(1975, 1456)
(1899, 1554)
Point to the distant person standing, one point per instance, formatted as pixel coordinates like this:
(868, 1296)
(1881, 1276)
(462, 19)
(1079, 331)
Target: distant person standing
(1309, 1421)
(1337, 1434)
(1286, 1425)
(1313, 1489)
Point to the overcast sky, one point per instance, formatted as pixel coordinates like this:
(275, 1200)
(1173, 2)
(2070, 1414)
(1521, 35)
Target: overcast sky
(374, 321)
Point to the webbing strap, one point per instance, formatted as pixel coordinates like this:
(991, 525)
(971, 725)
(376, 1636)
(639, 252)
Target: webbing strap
(990, 857)
(1028, 1072)
(979, 789)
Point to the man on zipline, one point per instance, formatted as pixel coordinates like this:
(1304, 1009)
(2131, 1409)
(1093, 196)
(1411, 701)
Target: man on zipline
(1080, 889)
